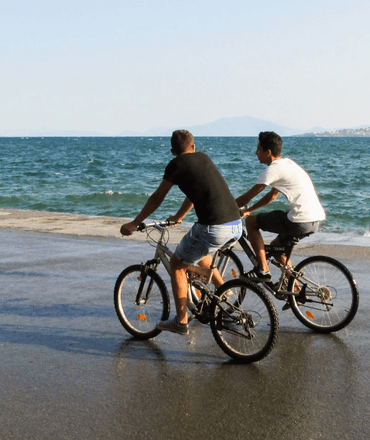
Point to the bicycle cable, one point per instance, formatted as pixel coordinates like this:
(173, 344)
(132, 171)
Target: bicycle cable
(153, 240)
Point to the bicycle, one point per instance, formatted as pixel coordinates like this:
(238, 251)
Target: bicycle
(243, 319)
(320, 290)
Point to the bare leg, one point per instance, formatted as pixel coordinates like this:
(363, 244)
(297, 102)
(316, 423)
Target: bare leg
(284, 260)
(216, 277)
(179, 283)
(257, 242)
(281, 258)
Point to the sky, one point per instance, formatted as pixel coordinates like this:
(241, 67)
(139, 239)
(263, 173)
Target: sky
(114, 65)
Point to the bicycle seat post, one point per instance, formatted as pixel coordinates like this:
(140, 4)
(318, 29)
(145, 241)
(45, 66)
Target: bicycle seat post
(214, 259)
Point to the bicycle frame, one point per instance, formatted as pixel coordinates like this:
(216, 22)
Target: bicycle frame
(163, 254)
(285, 270)
(195, 273)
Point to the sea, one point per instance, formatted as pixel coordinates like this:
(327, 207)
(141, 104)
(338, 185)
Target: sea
(114, 176)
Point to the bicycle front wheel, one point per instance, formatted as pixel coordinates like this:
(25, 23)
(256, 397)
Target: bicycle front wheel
(246, 330)
(141, 300)
(331, 294)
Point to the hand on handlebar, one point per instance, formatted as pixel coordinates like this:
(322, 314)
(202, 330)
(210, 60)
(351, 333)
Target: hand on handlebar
(244, 211)
(174, 220)
(128, 228)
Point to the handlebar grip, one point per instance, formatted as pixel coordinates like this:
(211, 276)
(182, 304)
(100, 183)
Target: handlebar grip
(141, 227)
(144, 226)
(244, 208)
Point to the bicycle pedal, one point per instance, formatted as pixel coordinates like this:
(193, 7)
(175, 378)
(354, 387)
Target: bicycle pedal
(203, 318)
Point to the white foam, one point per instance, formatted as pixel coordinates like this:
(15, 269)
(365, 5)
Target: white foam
(328, 238)
(325, 238)
(349, 239)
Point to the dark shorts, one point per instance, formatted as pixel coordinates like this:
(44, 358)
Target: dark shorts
(278, 222)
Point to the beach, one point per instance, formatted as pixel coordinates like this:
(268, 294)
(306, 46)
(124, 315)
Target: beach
(69, 370)
(104, 226)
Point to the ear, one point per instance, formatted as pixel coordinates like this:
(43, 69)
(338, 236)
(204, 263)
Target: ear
(173, 153)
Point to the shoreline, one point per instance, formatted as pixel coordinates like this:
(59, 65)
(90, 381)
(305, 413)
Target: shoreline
(104, 226)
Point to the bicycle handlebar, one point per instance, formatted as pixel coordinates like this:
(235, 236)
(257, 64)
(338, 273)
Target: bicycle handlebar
(242, 209)
(162, 223)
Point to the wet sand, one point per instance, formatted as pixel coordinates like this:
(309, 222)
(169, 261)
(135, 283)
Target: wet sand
(100, 226)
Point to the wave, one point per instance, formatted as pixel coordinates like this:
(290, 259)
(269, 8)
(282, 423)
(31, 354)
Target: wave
(108, 196)
(10, 200)
(115, 176)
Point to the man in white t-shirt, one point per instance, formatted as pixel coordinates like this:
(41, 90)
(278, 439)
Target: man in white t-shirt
(286, 177)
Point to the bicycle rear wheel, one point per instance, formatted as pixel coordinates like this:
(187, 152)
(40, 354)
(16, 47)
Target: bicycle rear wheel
(230, 268)
(141, 300)
(331, 292)
(229, 265)
(246, 330)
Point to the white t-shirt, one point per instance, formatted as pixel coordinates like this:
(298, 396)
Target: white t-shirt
(292, 180)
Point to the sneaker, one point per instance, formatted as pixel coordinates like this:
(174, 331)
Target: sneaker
(257, 276)
(172, 325)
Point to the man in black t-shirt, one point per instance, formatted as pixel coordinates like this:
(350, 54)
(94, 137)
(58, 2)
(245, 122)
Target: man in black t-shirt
(218, 218)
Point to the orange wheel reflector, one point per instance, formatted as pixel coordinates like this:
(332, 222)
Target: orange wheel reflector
(310, 315)
(233, 271)
(198, 293)
(141, 317)
(139, 278)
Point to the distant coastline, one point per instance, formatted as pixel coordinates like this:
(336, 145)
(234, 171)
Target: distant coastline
(346, 132)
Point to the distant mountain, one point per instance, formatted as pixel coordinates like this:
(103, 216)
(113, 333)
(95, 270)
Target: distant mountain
(238, 126)
(241, 126)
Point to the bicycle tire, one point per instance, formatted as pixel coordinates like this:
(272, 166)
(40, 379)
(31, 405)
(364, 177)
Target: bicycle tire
(248, 331)
(334, 290)
(230, 268)
(229, 265)
(140, 319)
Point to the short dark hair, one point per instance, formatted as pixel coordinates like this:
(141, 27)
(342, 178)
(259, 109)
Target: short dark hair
(181, 141)
(271, 141)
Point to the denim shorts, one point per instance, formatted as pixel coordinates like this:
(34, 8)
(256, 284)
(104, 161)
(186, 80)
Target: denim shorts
(203, 240)
(278, 222)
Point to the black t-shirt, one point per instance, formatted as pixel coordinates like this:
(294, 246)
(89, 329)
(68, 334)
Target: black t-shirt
(199, 179)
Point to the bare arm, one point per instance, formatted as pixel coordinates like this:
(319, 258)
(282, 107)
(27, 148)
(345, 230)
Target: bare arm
(154, 201)
(181, 213)
(249, 195)
(268, 198)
